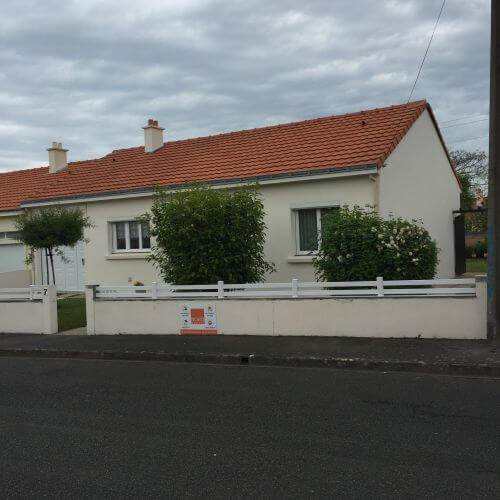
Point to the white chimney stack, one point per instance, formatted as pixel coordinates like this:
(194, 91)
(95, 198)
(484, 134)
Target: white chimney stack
(153, 136)
(58, 159)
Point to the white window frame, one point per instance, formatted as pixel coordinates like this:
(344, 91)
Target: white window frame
(309, 206)
(127, 248)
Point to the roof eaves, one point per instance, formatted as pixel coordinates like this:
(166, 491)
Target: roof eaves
(215, 182)
(7, 212)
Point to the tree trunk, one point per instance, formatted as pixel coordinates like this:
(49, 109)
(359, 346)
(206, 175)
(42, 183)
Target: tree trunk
(51, 257)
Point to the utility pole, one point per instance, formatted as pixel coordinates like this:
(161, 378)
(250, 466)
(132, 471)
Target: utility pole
(494, 183)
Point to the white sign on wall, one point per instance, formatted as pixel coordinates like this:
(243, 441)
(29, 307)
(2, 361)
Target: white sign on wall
(198, 319)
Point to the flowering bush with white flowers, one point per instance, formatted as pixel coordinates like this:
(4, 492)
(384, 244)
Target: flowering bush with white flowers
(357, 244)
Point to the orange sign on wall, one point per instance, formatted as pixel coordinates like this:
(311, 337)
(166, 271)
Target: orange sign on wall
(198, 319)
(197, 316)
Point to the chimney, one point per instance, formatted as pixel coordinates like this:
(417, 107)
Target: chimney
(58, 158)
(153, 136)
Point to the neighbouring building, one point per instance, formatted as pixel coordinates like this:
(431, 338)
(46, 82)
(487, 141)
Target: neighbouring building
(480, 201)
(393, 158)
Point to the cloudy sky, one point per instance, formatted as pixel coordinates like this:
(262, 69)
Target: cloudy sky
(89, 73)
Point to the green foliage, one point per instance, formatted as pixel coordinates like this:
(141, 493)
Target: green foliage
(50, 228)
(480, 249)
(476, 222)
(469, 251)
(204, 235)
(468, 195)
(357, 245)
(472, 170)
(71, 313)
(477, 266)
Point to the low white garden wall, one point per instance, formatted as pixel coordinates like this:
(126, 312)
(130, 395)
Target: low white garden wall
(28, 311)
(452, 317)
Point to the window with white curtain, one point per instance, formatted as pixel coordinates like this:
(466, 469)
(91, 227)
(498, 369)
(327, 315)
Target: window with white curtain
(308, 229)
(130, 236)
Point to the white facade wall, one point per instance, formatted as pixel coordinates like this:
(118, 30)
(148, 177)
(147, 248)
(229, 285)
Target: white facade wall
(104, 267)
(418, 182)
(398, 317)
(101, 265)
(279, 198)
(10, 248)
(15, 279)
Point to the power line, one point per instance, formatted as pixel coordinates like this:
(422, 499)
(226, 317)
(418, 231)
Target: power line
(470, 139)
(463, 118)
(426, 51)
(466, 123)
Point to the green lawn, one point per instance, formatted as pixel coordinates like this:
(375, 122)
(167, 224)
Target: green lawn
(71, 313)
(476, 266)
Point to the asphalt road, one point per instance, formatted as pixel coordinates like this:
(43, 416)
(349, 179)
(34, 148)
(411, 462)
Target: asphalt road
(97, 429)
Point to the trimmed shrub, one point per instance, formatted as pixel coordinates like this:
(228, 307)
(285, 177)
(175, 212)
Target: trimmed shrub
(205, 235)
(357, 245)
(469, 251)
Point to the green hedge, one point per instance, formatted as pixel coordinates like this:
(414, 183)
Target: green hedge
(204, 235)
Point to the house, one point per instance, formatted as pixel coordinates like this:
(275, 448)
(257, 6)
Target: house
(393, 158)
(480, 201)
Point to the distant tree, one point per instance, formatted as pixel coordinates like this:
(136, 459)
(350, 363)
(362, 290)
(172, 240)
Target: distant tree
(51, 228)
(468, 192)
(472, 169)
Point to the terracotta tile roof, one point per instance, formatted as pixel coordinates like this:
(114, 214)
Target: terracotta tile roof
(355, 139)
(21, 185)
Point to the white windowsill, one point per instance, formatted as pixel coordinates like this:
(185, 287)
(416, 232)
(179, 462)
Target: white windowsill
(128, 256)
(297, 259)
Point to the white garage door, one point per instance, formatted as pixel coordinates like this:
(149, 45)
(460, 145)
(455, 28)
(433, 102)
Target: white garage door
(11, 258)
(69, 270)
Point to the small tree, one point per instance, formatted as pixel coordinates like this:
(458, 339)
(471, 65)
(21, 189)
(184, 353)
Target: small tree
(205, 235)
(51, 228)
(472, 170)
(468, 194)
(357, 245)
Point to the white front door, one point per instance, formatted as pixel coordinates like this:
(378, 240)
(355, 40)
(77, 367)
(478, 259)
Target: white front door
(69, 269)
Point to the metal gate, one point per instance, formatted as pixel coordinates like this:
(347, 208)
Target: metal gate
(463, 221)
(459, 228)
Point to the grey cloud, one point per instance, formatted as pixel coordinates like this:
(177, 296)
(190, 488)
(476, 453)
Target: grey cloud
(90, 73)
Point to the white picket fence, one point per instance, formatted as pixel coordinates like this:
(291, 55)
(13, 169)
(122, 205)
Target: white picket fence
(33, 292)
(295, 289)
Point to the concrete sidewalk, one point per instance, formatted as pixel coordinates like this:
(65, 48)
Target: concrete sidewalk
(471, 357)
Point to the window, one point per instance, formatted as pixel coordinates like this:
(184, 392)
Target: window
(9, 235)
(131, 236)
(308, 229)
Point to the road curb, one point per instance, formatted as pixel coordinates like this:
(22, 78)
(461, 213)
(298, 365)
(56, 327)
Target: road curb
(415, 366)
